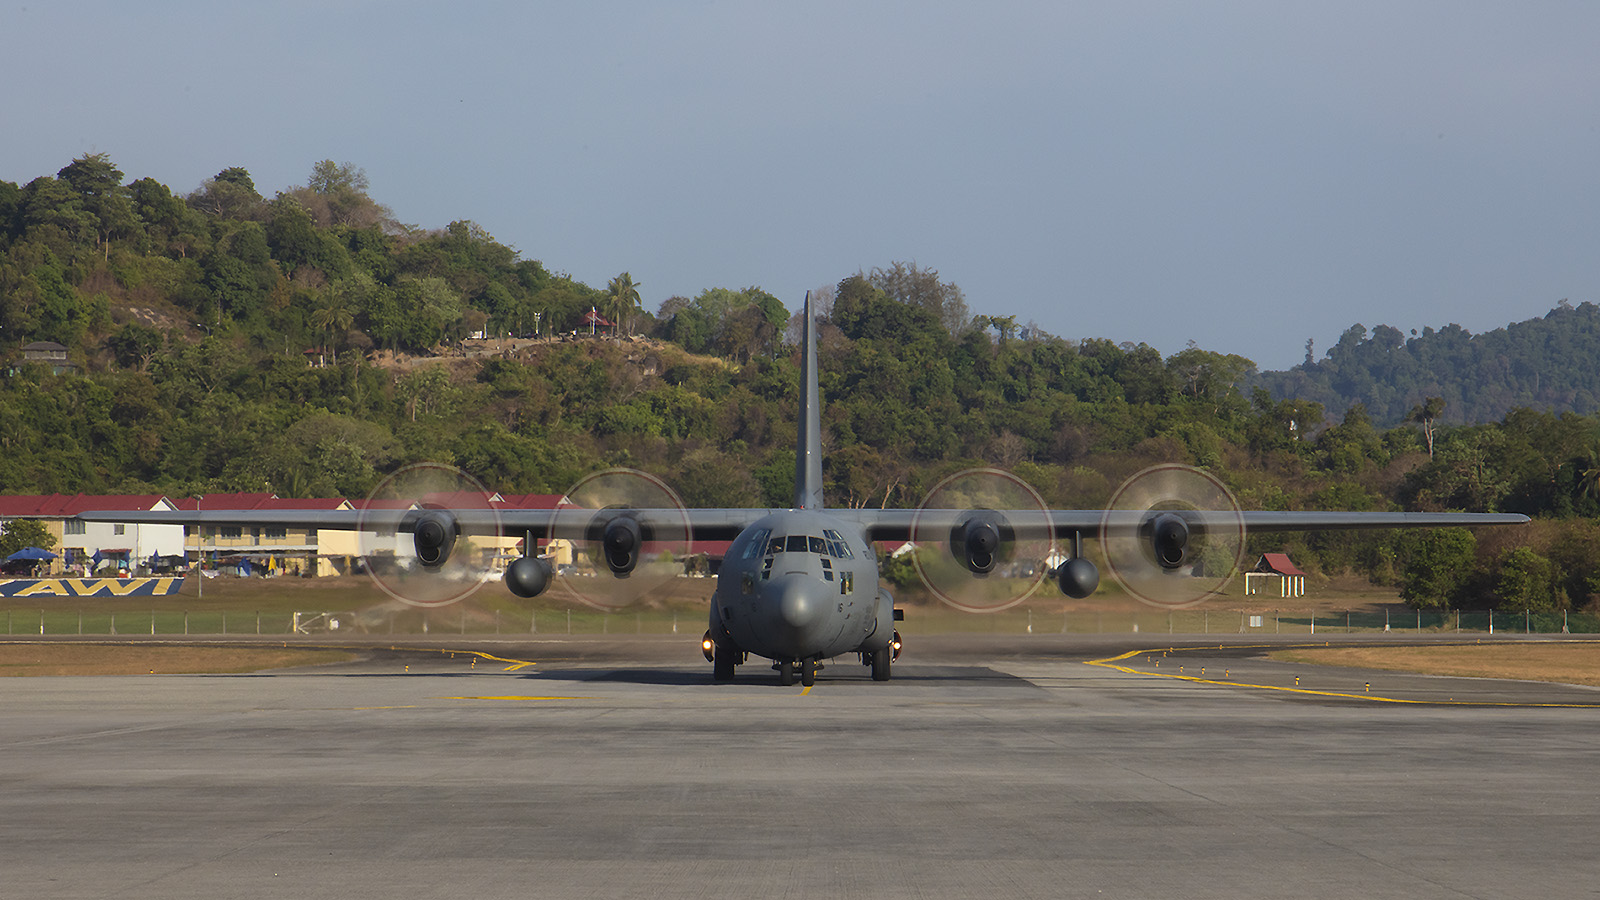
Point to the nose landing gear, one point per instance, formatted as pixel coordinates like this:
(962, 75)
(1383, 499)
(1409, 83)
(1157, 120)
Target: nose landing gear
(805, 669)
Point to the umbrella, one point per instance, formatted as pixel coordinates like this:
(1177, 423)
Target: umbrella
(30, 553)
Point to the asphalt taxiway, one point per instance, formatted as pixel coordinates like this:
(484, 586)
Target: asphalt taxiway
(614, 768)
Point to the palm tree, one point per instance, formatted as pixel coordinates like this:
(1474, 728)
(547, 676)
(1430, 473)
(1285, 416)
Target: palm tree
(333, 317)
(623, 292)
(1589, 476)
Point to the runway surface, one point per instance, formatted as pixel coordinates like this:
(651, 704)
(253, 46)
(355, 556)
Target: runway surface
(615, 769)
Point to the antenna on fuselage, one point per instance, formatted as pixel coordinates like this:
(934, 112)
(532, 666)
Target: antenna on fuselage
(808, 443)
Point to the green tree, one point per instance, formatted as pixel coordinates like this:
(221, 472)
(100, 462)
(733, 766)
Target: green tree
(20, 533)
(1435, 565)
(1425, 414)
(98, 185)
(922, 288)
(1526, 580)
(230, 195)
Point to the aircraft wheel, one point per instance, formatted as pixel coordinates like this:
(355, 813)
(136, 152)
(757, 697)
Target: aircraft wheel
(723, 663)
(785, 672)
(881, 660)
(808, 672)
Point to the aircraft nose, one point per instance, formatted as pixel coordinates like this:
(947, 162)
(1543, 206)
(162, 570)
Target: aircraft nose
(798, 603)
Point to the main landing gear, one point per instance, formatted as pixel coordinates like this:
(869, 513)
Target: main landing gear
(722, 663)
(880, 662)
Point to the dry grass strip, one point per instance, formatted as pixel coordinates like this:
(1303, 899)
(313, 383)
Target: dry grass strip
(1576, 663)
(133, 659)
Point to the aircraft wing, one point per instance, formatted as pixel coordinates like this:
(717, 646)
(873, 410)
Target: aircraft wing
(876, 524)
(901, 524)
(572, 523)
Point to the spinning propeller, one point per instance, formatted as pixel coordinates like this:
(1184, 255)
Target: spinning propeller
(971, 553)
(1172, 536)
(428, 535)
(620, 555)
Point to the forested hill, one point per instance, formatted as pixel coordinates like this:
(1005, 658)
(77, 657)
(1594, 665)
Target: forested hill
(1551, 363)
(310, 345)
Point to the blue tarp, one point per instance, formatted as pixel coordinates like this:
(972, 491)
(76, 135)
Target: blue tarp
(30, 553)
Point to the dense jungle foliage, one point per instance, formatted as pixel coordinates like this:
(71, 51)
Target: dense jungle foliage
(308, 344)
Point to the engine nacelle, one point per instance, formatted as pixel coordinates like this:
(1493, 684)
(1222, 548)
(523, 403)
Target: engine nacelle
(1078, 577)
(977, 539)
(621, 542)
(528, 576)
(433, 535)
(1169, 539)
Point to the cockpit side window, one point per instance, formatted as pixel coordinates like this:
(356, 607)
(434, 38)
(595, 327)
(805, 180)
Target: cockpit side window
(758, 543)
(776, 546)
(838, 545)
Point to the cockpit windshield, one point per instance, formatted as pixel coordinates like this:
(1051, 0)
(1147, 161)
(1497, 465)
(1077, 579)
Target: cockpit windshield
(830, 544)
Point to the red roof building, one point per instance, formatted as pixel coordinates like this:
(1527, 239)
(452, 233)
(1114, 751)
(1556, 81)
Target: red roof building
(86, 545)
(1275, 570)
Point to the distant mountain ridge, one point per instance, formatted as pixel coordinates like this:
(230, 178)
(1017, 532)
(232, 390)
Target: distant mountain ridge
(1550, 363)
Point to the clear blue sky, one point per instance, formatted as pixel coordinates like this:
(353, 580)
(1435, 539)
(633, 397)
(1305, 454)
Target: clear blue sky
(1243, 175)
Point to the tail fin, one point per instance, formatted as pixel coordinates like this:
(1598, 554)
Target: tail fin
(808, 443)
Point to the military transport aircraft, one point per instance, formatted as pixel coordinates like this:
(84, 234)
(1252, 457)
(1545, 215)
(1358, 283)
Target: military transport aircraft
(800, 585)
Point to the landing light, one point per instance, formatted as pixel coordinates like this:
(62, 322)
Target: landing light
(709, 648)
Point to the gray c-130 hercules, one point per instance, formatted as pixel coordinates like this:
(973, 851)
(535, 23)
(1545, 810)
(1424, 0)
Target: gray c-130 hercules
(800, 585)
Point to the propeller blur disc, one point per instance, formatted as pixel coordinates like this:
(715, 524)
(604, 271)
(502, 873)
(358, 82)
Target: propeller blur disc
(1216, 535)
(389, 553)
(971, 498)
(664, 531)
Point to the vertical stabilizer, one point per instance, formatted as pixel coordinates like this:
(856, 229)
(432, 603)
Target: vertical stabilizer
(808, 445)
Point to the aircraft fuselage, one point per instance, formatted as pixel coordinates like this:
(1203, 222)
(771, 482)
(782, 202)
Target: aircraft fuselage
(801, 586)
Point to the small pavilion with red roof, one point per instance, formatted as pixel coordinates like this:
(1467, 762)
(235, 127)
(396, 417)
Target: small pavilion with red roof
(1275, 570)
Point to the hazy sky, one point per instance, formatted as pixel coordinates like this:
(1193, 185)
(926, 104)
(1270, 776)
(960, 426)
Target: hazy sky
(1243, 175)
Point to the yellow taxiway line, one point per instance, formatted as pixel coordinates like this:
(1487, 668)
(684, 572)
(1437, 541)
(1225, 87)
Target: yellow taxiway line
(1111, 662)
